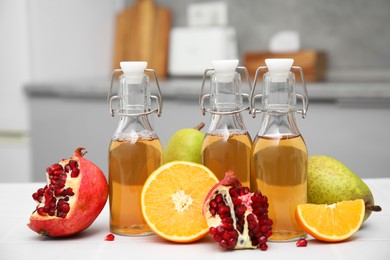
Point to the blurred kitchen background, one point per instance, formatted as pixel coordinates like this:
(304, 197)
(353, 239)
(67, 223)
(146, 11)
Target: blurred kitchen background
(56, 59)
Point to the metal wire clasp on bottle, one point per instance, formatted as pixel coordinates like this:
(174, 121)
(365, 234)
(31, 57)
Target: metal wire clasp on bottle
(202, 96)
(111, 98)
(304, 98)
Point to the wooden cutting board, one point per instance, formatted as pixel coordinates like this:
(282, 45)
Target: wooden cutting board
(142, 34)
(312, 62)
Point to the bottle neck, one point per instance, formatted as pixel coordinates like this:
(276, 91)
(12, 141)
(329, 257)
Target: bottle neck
(226, 92)
(227, 124)
(133, 128)
(276, 124)
(134, 94)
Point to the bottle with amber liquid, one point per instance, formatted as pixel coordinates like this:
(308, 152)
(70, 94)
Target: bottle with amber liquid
(279, 154)
(227, 144)
(135, 150)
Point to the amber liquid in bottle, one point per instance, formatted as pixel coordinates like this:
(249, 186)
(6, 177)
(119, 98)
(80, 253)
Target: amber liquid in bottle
(279, 165)
(130, 164)
(221, 154)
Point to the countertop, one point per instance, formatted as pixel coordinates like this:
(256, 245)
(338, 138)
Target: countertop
(189, 88)
(372, 241)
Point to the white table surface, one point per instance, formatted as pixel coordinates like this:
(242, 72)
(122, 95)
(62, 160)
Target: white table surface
(17, 241)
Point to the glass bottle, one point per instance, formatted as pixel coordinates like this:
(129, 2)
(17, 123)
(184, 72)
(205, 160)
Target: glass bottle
(279, 153)
(227, 143)
(135, 150)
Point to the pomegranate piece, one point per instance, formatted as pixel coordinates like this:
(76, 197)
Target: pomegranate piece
(109, 237)
(75, 194)
(301, 242)
(236, 217)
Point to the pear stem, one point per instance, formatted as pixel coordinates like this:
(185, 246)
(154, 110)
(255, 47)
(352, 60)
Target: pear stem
(373, 208)
(200, 126)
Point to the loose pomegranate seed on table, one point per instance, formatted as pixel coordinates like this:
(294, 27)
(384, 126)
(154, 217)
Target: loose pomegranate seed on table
(109, 237)
(302, 242)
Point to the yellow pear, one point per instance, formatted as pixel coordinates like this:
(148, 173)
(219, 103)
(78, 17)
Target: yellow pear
(185, 145)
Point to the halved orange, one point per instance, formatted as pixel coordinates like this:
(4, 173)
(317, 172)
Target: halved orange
(331, 223)
(172, 200)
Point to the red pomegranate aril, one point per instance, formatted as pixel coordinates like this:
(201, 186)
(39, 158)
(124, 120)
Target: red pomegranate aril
(213, 204)
(58, 192)
(240, 209)
(40, 211)
(223, 210)
(35, 196)
(109, 237)
(263, 247)
(263, 240)
(69, 192)
(75, 173)
(227, 226)
(301, 242)
(52, 212)
(227, 220)
(219, 198)
(73, 164)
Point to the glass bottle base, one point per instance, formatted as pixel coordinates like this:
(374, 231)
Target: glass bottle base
(134, 230)
(286, 236)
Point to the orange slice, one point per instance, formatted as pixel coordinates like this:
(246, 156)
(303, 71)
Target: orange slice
(172, 200)
(331, 223)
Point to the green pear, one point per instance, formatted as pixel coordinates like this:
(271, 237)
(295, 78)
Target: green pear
(185, 145)
(329, 181)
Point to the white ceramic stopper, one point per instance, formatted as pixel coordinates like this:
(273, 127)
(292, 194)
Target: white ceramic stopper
(225, 69)
(279, 69)
(133, 71)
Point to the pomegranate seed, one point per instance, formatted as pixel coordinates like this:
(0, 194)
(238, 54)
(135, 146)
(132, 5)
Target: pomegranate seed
(75, 173)
(236, 201)
(70, 192)
(67, 168)
(109, 237)
(227, 226)
(35, 196)
(58, 192)
(40, 211)
(233, 193)
(224, 209)
(65, 208)
(213, 204)
(262, 240)
(40, 191)
(218, 198)
(213, 231)
(263, 247)
(240, 209)
(302, 242)
(227, 221)
(73, 164)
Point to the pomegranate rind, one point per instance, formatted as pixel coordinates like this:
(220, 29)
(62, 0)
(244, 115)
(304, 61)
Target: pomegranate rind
(89, 200)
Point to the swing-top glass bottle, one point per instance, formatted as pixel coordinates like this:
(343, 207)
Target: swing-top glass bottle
(279, 154)
(135, 150)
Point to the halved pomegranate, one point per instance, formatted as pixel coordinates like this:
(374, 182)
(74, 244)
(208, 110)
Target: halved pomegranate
(236, 217)
(74, 196)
